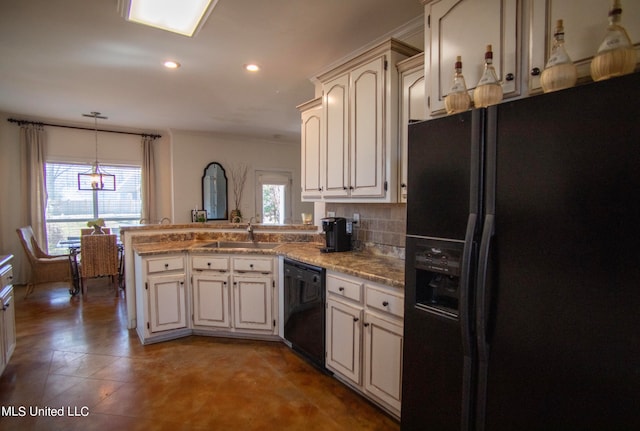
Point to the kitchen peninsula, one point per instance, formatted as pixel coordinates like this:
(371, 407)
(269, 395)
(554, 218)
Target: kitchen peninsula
(210, 280)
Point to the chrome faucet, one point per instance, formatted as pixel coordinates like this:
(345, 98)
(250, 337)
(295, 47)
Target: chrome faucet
(250, 231)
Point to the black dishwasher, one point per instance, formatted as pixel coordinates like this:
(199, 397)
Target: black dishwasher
(304, 309)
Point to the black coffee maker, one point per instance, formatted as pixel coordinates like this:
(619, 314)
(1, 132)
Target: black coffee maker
(337, 237)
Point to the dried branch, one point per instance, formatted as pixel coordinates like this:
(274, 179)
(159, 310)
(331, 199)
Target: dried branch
(239, 177)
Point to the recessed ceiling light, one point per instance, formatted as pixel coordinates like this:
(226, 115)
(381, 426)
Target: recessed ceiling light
(252, 67)
(178, 16)
(170, 64)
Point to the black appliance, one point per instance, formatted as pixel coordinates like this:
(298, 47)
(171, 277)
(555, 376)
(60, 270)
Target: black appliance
(522, 265)
(337, 234)
(304, 309)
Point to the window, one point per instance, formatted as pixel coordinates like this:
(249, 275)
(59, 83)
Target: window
(69, 209)
(273, 195)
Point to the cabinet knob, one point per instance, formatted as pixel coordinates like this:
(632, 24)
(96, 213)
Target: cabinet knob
(344, 188)
(251, 265)
(355, 319)
(341, 289)
(403, 185)
(535, 71)
(385, 303)
(166, 266)
(509, 77)
(366, 325)
(209, 264)
(319, 189)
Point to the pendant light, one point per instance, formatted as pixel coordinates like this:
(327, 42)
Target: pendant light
(96, 179)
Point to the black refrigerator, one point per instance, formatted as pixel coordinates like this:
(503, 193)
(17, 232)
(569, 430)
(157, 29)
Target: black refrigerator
(522, 301)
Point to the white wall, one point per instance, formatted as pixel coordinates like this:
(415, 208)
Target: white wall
(192, 152)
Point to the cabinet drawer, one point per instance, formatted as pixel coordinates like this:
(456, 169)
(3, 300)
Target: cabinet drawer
(384, 301)
(6, 277)
(215, 263)
(253, 264)
(165, 264)
(343, 287)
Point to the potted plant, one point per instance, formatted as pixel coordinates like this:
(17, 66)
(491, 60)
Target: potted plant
(97, 226)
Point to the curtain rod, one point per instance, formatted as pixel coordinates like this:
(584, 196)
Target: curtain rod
(39, 123)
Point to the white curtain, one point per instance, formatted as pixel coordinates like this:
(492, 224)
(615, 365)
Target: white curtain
(34, 187)
(33, 201)
(149, 212)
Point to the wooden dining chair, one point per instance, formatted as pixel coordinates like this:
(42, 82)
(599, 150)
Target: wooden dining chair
(89, 231)
(45, 268)
(99, 258)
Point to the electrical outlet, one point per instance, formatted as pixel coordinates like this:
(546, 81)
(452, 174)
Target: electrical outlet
(331, 213)
(356, 217)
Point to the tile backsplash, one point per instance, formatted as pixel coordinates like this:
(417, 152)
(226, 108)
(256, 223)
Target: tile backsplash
(381, 228)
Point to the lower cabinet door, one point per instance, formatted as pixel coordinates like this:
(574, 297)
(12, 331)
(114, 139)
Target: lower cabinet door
(383, 341)
(252, 299)
(211, 305)
(167, 302)
(343, 339)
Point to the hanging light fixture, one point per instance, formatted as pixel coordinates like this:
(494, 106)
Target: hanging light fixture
(96, 179)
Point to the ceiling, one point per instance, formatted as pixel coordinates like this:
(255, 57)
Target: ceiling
(60, 59)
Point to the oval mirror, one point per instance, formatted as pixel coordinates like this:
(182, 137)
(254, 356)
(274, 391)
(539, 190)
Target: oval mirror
(214, 192)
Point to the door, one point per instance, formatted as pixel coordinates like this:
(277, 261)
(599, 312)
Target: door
(311, 150)
(562, 341)
(211, 305)
(167, 302)
(344, 339)
(335, 137)
(383, 359)
(442, 233)
(252, 302)
(367, 155)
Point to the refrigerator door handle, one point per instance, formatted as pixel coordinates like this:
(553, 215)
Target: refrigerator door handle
(466, 325)
(483, 292)
(483, 299)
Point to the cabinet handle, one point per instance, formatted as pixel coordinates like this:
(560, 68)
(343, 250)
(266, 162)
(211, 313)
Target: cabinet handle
(403, 185)
(385, 303)
(351, 187)
(509, 77)
(535, 71)
(341, 289)
(319, 189)
(344, 188)
(355, 319)
(366, 325)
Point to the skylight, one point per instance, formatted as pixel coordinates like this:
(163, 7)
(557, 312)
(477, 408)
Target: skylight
(179, 16)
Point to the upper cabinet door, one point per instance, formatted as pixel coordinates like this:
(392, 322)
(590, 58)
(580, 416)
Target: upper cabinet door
(465, 28)
(367, 139)
(311, 119)
(585, 22)
(335, 157)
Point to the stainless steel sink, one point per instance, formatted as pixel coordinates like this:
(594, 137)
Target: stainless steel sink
(243, 244)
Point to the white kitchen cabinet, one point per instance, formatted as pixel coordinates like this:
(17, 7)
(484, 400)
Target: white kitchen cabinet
(253, 293)
(412, 108)
(465, 28)
(364, 337)
(359, 138)
(161, 297)
(7, 319)
(311, 126)
(210, 286)
(585, 22)
(343, 339)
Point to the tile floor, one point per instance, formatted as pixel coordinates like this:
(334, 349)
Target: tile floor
(76, 354)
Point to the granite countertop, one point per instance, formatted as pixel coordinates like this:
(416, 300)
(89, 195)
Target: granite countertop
(377, 268)
(5, 258)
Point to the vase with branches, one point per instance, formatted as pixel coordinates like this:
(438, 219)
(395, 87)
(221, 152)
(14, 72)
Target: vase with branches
(239, 178)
